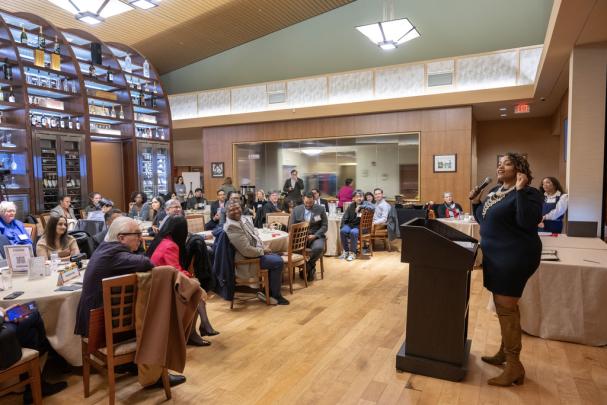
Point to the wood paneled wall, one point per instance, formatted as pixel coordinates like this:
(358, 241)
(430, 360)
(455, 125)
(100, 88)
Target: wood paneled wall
(443, 131)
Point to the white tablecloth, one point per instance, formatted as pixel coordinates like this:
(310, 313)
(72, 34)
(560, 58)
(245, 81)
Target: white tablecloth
(470, 228)
(566, 300)
(564, 241)
(58, 310)
(333, 240)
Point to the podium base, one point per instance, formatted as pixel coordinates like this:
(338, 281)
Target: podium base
(432, 368)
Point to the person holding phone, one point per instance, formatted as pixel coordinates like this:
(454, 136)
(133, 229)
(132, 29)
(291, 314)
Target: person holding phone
(25, 322)
(56, 240)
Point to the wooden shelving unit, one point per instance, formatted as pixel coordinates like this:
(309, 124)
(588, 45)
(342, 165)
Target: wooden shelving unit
(82, 101)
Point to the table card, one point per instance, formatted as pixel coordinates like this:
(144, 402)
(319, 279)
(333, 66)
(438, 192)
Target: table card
(18, 257)
(66, 275)
(37, 267)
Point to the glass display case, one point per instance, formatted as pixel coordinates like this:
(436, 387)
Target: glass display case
(154, 167)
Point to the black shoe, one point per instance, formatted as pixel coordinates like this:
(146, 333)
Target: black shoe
(211, 333)
(48, 389)
(174, 380)
(311, 274)
(195, 340)
(301, 274)
(130, 368)
(282, 300)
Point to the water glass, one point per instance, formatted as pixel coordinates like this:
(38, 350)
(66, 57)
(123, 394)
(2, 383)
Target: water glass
(7, 279)
(55, 261)
(265, 226)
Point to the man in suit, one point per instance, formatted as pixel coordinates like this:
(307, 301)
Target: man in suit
(316, 216)
(293, 187)
(247, 243)
(320, 201)
(216, 208)
(270, 206)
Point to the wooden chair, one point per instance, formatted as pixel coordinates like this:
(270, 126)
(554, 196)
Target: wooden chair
(364, 231)
(296, 254)
(278, 218)
(380, 232)
(262, 278)
(30, 365)
(82, 214)
(195, 223)
(44, 219)
(322, 263)
(117, 316)
(31, 230)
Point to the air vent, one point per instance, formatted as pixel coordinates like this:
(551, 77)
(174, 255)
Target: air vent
(277, 98)
(440, 79)
(277, 92)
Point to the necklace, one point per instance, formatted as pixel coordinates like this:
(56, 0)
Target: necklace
(494, 198)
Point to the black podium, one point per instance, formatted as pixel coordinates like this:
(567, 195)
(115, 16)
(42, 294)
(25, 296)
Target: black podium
(440, 263)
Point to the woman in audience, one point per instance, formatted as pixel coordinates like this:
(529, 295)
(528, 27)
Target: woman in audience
(227, 186)
(180, 189)
(449, 209)
(168, 249)
(508, 218)
(138, 207)
(10, 227)
(555, 205)
(258, 204)
(56, 240)
(345, 193)
(93, 204)
(369, 197)
(156, 210)
(64, 208)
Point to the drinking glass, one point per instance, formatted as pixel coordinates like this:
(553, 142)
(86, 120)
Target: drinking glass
(265, 226)
(55, 261)
(7, 279)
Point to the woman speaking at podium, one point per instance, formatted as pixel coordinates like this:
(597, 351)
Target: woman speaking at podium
(508, 219)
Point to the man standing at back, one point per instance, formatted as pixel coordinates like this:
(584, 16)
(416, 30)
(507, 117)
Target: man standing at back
(293, 187)
(316, 216)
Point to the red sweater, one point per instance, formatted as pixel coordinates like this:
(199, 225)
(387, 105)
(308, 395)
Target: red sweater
(167, 254)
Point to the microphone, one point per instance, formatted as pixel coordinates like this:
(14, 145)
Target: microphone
(477, 190)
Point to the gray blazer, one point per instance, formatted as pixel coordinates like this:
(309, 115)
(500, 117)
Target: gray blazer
(245, 244)
(58, 212)
(318, 221)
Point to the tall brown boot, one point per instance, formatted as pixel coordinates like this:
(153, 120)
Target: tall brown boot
(510, 324)
(498, 358)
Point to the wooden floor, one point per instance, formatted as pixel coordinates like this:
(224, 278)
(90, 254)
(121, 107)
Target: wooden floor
(336, 343)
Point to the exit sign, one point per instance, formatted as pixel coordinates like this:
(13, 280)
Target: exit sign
(522, 108)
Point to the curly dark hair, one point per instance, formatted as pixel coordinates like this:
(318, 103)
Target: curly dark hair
(143, 196)
(553, 180)
(521, 165)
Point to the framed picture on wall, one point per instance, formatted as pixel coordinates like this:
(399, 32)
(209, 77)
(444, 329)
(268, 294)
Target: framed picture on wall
(217, 169)
(445, 163)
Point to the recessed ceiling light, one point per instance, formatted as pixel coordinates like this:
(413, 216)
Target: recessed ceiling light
(503, 109)
(503, 115)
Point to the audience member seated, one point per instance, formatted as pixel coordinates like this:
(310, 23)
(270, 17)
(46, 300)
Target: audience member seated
(227, 186)
(10, 227)
(197, 202)
(288, 206)
(269, 207)
(171, 208)
(104, 205)
(321, 201)
(235, 196)
(258, 206)
(64, 209)
(449, 208)
(56, 240)
(248, 245)
(555, 205)
(93, 204)
(345, 193)
(350, 226)
(31, 334)
(138, 207)
(382, 208)
(108, 217)
(169, 249)
(316, 216)
(216, 208)
(369, 197)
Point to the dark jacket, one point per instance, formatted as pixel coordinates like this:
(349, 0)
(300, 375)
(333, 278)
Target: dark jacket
(259, 214)
(193, 202)
(196, 249)
(441, 210)
(319, 222)
(294, 194)
(323, 203)
(109, 260)
(351, 217)
(223, 265)
(268, 208)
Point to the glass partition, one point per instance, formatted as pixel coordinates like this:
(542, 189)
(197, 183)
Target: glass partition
(388, 161)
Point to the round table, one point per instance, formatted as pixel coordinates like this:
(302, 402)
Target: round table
(57, 308)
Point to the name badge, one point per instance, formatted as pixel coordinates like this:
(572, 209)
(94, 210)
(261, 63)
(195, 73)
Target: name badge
(23, 237)
(67, 275)
(316, 218)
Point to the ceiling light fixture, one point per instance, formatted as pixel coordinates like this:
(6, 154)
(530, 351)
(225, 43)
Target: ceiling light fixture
(311, 152)
(96, 11)
(389, 33)
(503, 109)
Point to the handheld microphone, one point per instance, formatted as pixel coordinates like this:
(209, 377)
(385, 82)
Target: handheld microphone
(476, 191)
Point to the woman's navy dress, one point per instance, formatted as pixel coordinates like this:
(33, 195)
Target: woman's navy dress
(509, 240)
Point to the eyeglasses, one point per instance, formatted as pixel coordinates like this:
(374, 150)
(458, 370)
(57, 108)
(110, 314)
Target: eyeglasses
(130, 233)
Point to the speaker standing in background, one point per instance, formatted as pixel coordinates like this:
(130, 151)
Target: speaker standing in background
(96, 53)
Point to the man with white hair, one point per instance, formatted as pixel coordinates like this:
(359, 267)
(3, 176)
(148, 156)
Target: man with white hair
(172, 208)
(449, 209)
(10, 227)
